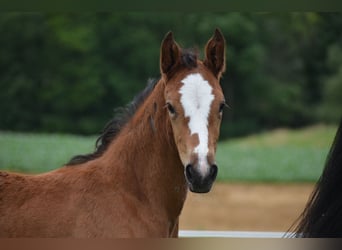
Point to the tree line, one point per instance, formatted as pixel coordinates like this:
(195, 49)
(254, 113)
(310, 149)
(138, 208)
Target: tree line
(67, 72)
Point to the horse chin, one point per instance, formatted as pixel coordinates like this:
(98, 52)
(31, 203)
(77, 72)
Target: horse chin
(199, 189)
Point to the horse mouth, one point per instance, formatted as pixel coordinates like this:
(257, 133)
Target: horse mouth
(200, 190)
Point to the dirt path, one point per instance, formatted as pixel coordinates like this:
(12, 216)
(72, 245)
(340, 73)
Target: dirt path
(246, 207)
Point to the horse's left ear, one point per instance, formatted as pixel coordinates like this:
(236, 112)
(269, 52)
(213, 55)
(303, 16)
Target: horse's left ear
(215, 54)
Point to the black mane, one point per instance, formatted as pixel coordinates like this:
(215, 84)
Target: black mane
(123, 114)
(114, 126)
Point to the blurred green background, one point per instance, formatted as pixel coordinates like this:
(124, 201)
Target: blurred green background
(65, 73)
(280, 155)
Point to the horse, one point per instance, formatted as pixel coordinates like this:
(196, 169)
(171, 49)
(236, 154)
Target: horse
(148, 156)
(322, 215)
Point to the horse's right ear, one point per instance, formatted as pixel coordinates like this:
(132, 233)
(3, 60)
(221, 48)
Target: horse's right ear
(170, 54)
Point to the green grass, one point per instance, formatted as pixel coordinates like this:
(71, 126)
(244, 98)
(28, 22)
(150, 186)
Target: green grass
(35, 153)
(279, 156)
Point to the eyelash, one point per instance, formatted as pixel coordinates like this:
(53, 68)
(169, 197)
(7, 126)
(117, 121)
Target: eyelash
(222, 106)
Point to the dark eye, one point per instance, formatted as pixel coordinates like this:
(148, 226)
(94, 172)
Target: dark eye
(222, 105)
(171, 109)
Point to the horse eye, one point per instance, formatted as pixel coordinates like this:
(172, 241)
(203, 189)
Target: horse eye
(222, 105)
(171, 109)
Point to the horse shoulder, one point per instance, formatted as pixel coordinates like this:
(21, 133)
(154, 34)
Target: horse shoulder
(35, 205)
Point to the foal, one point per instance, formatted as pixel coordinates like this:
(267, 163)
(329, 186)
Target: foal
(135, 183)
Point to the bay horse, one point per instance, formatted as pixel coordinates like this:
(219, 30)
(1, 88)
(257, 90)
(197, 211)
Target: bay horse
(135, 182)
(322, 216)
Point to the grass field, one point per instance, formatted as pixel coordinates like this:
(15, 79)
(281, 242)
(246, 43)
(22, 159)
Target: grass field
(279, 156)
(34, 153)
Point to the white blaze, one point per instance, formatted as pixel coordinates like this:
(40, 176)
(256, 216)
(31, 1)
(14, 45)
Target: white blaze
(196, 98)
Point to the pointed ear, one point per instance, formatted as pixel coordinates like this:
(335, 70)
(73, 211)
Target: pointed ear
(169, 54)
(215, 58)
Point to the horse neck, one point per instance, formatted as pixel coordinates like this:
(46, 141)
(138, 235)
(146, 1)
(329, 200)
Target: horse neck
(144, 156)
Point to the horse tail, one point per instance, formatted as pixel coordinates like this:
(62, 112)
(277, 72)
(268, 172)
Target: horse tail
(322, 216)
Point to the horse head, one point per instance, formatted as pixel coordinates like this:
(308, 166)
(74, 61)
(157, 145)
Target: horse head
(194, 101)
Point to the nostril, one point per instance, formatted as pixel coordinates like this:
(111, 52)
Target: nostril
(189, 172)
(213, 171)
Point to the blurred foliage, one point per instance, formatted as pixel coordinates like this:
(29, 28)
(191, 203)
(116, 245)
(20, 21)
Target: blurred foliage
(66, 72)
